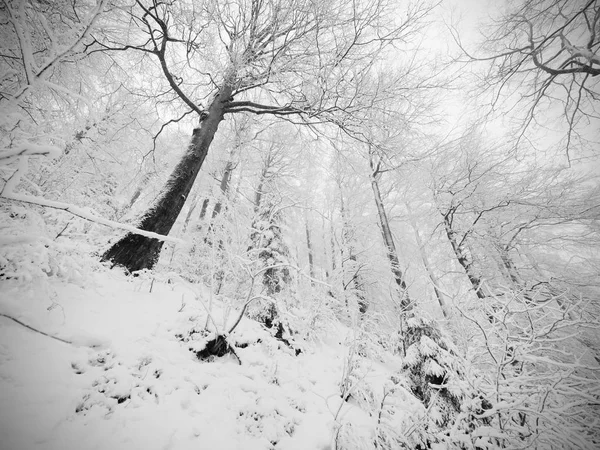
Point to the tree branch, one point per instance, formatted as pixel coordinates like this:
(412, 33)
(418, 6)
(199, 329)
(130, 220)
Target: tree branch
(35, 329)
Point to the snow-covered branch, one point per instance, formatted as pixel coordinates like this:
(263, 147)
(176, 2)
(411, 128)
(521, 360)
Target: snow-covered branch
(10, 154)
(87, 215)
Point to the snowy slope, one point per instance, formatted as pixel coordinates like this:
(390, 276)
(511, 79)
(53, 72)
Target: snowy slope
(128, 379)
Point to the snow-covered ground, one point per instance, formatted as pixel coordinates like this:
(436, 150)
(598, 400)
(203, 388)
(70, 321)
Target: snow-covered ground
(128, 380)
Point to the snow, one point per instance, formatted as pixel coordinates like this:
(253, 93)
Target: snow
(127, 381)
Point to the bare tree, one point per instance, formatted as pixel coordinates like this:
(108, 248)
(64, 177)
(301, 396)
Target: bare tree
(546, 51)
(298, 59)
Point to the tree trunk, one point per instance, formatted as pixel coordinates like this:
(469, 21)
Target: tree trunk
(311, 266)
(351, 270)
(135, 252)
(332, 237)
(325, 255)
(425, 260)
(259, 192)
(463, 257)
(388, 240)
(224, 187)
(188, 217)
(204, 209)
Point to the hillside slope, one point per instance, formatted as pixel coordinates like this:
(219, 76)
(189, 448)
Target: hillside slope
(126, 377)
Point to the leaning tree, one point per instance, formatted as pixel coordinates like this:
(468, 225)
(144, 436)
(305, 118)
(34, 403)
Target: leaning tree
(300, 60)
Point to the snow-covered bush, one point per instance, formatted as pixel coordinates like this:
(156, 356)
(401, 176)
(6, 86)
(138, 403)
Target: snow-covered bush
(542, 375)
(437, 376)
(28, 252)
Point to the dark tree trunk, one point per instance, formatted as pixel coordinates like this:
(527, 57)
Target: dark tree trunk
(388, 240)
(136, 252)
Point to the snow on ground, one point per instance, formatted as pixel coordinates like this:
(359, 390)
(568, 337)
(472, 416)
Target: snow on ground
(129, 381)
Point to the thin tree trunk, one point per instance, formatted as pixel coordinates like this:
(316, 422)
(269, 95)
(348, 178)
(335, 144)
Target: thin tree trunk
(351, 269)
(325, 255)
(462, 256)
(188, 217)
(186, 223)
(311, 266)
(134, 197)
(332, 237)
(204, 209)
(388, 240)
(425, 260)
(224, 187)
(259, 191)
(135, 252)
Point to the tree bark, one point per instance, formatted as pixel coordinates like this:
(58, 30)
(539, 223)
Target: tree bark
(135, 252)
(388, 240)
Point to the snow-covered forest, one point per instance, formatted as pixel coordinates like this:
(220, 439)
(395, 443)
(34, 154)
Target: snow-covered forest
(299, 224)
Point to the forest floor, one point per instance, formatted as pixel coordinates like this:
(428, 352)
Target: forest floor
(129, 376)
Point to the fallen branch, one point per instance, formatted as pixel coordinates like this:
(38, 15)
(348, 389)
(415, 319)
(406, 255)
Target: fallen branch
(35, 329)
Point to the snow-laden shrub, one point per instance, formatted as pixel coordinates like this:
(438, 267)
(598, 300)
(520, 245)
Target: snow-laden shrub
(436, 374)
(543, 377)
(29, 253)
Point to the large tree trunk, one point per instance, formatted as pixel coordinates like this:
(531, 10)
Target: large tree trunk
(135, 252)
(388, 240)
